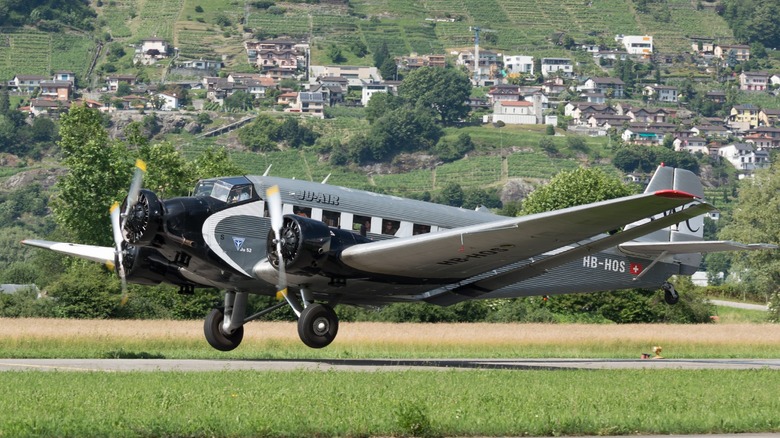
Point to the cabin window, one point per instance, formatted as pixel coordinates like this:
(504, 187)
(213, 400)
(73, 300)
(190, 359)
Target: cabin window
(302, 211)
(390, 227)
(331, 218)
(421, 229)
(361, 224)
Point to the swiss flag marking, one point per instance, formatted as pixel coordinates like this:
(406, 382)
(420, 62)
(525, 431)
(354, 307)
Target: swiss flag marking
(635, 268)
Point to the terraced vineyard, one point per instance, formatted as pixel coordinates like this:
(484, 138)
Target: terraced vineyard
(38, 53)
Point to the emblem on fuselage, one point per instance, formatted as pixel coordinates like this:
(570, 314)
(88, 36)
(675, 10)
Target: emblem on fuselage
(239, 243)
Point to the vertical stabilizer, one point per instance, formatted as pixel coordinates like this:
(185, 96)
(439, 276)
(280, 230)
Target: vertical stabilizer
(670, 178)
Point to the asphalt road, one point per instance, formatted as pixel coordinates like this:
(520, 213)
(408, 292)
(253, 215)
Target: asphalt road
(371, 365)
(740, 305)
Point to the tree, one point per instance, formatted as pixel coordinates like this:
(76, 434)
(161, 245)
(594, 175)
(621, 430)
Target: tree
(99, 173)
(442, 91)
(451, 194)
(5, 101)
(389, 69)
(214, 162)
(756, 218)
(335, 55)
(381, 54)
(240, 100)
(577, 187)
(380, 104)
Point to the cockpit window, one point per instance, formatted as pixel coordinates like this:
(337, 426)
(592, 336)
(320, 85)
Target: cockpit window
(228, 190)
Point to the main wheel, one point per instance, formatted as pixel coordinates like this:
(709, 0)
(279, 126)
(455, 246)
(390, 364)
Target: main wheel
(670, 294)
(216, 337)
(318, 325)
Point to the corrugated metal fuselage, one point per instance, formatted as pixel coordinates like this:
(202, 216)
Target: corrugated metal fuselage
(237, 235)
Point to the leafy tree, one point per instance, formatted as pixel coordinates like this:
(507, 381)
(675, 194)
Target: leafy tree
(443, 91)
(389, 70)
(98, 174)
(576, 187)
(259, 134)
(756, 218)
(335, 55)
(451, 194)
(381, 54)
(168, 174)
(5, 101)
(123, 89)
(84, 291)
(240, 100)
(380, 104)
(399, 131)
(214, 162)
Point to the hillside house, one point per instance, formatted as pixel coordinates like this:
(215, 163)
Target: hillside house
(744, 157)
(50, 107)
(562, 67)
(606, 121)
(743, 117)
(554, 86)
(309, 103)
(520, 64)
(595, 98)
(581, 111)
(26, 83)
(768, 131)
(660, 93)
(371, 88)
(256, 84)
(57, 90)
(169, 101)
(753, 81)
(151, 50)
(768, 117)
(64, 76)
(644, 135)
(636, 44)
(210, 65)
(611, 87)
(355, 75)
(278, 58)
(741, 52)
(691, 145)
(287, 98)
(762, 141)
(504, 92)
(112, 82)
(414, 61)
(710, 131)
(514, 112)
(647, 115)
(488, 64)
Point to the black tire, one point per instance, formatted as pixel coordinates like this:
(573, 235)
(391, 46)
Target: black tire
(670, 297)
(216, 337)
(318, 325)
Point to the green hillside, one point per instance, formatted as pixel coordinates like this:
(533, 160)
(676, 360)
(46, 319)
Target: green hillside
(32, 52)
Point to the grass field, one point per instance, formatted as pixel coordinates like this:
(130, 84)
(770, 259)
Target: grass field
(409, 403)
(35, 338)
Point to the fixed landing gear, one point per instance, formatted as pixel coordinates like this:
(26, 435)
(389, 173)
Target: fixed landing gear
(216, 337)
(318, 324)
(670, 294)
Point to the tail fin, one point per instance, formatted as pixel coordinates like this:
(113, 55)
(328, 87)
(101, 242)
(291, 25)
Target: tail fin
(692, 230)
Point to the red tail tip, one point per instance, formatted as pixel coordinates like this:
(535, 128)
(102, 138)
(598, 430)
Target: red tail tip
(674, 194)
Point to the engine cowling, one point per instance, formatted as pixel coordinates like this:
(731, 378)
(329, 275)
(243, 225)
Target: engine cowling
(144, 219)
(305, 245)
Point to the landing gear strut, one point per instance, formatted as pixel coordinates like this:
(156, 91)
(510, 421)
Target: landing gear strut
(318, 324)
(670, 294)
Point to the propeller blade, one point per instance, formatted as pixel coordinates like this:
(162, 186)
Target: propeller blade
(118, 239)
(274, 199)
(135, 186)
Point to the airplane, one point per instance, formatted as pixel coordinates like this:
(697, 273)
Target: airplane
(315, 246)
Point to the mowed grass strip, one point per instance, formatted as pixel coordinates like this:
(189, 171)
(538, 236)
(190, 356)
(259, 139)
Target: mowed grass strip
(63, 338)
(418, 403)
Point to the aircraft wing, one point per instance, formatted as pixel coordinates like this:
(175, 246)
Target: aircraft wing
(654, 249)
(467, 251)
(100, 254)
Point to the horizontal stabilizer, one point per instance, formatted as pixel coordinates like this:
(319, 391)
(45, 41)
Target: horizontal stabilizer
(100, 254)
(653, 249)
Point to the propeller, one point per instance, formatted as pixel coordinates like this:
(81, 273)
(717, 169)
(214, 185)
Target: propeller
(118, 223)
(274, 199)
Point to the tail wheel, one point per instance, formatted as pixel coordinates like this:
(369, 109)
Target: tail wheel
(216, 337)
(670, 294)
(318, 325)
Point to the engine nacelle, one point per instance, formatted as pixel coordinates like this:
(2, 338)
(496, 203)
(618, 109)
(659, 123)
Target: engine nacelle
(305, 245)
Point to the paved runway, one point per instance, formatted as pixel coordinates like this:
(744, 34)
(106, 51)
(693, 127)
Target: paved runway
(370, 365)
